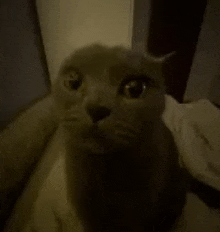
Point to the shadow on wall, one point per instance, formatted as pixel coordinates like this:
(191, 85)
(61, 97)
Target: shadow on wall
(23, 70)
(175, 26)
(204, 80)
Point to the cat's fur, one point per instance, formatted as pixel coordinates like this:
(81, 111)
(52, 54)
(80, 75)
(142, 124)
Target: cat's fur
(122, 164)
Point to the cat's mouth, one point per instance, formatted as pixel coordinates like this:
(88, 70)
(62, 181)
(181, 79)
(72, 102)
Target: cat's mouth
(102, 141)
(105, 135)
(113, 134)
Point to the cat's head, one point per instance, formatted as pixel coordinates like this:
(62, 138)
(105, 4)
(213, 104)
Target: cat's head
(109, 94)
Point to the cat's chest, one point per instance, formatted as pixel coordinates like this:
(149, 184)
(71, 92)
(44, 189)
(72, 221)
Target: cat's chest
(51, 211)
(196, 217)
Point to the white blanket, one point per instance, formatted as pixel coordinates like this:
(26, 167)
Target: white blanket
(196, 129)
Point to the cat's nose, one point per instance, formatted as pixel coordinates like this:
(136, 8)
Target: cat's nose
(97, 113)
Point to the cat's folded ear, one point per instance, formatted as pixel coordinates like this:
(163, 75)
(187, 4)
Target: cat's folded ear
(162, 59)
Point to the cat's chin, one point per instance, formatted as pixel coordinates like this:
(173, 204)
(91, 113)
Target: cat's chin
(96, 139)
(101, 145)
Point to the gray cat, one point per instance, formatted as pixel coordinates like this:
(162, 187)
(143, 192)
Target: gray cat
(122, 165)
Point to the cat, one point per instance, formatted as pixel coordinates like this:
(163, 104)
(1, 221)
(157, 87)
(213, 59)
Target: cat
(122, 164)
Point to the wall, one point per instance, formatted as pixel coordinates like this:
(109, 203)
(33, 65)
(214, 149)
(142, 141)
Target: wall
(67, 25)
(23, 76)
(204, 79)
(141, 22)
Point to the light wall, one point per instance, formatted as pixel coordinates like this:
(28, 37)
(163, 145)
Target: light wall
(67, 25)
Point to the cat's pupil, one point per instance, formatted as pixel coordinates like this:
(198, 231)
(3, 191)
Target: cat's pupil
(73, 82)
(134, 88)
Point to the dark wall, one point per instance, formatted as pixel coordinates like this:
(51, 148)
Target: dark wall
(23, 70)
(163, 26)
(175, 26)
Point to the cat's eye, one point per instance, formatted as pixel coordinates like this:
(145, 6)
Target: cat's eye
(72, 81)
(135, 88)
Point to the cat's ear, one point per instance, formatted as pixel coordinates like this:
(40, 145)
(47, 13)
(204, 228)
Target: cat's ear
(162, 59)
(160, 65)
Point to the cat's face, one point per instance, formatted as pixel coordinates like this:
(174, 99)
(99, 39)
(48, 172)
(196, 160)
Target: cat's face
(109, 97)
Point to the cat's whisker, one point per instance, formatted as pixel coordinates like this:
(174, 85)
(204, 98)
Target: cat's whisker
(125, 134)
(127, 128)
(69, 118)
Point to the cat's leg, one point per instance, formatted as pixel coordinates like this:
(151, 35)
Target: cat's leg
(22, 144)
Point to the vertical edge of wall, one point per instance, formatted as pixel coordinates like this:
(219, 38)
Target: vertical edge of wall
(141, 19)
(204, 79)
(131, 22)
(67, 25)
(39, 39)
